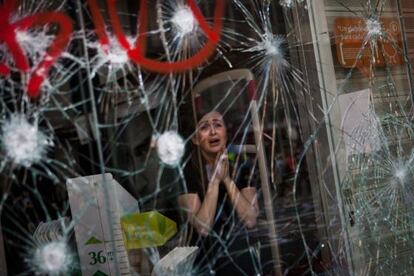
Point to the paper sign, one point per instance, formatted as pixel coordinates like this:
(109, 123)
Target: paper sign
(360, 126)
(352, 49)
(177, 262)
(90, 208)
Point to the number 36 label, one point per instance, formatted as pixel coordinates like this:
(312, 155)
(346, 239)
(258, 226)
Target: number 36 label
(99, 257)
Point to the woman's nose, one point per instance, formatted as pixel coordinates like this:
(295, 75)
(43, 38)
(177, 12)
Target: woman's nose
(212, 130)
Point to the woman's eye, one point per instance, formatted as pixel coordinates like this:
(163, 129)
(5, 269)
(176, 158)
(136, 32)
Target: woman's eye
(218, 125)
(204, 127)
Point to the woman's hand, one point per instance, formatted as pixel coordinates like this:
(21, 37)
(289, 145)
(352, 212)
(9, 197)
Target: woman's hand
(221, 167)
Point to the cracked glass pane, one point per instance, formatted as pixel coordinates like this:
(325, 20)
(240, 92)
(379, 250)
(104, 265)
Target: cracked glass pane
(184, 137)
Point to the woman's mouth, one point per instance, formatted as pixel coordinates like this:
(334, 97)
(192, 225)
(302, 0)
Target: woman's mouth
(214, 142)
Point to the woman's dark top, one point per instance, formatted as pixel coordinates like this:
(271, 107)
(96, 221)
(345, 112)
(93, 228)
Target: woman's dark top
(226, 248)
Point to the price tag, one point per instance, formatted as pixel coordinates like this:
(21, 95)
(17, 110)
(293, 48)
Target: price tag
(96, 233)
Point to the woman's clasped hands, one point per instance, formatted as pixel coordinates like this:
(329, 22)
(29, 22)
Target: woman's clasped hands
(221, 167)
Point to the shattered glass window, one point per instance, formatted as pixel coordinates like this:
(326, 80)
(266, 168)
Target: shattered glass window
(185, 137)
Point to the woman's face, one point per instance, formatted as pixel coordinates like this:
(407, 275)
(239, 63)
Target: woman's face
(211, 133)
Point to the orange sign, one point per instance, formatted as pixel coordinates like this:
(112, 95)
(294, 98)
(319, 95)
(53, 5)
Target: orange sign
(353, 43)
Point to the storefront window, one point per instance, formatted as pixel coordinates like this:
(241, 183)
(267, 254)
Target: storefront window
(363, 52)
(191, 137)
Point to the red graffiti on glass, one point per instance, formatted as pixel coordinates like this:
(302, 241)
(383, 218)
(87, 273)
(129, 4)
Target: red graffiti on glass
(137, 52)
(8, 31)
